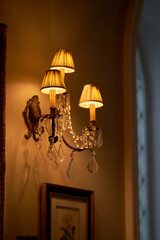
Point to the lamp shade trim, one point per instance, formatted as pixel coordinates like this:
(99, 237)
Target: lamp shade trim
(58, 90)
(86, 104)
(66, 68)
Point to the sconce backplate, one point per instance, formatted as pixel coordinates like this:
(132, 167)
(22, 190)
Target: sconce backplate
(32, 114)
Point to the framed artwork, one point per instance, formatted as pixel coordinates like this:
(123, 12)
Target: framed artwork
(66, 213)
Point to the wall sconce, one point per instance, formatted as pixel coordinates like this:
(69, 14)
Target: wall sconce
(59, 118)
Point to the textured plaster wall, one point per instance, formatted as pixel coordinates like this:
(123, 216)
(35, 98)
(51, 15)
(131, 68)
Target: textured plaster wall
(93, 31)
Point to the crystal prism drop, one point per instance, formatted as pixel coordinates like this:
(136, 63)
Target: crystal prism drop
(60, 153)
(52, 162)
(72, 170)
(68, 102)
(92, 165)
(49, 153)
(99, 138)
(52, 152)
(48, 126)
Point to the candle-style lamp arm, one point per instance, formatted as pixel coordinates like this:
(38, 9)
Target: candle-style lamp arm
(73, 148)
(53, 115)
(90, 127)
(32, 116)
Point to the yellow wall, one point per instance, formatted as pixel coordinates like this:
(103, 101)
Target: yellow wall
(93, 31)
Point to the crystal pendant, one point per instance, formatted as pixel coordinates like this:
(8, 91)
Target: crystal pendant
(52, 152)
(52, 162)
(92, 165)
(84, 135)
(60, 153)
(68, 106)
(60, 126)
(59, 101)
(94, 140)
(99, 138)
(48, 126)
(72, 170)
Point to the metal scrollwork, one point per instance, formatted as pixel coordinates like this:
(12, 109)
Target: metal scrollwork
(32, 114)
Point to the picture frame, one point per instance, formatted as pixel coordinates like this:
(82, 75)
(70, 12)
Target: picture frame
(66, 213)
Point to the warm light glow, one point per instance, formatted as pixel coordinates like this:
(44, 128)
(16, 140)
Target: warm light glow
(92, 111)
(63, 60)
(53, 80)
(52, 94)
(90, 95)
(59, 119)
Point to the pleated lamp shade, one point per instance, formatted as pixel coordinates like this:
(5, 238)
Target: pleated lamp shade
(63, 60)
(53, 80)
(90, 95)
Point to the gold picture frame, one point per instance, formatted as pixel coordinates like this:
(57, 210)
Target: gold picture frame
(66, 213)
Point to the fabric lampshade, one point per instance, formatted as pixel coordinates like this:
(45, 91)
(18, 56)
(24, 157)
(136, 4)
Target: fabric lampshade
(90, 95)
(63, 60)
(53, 80)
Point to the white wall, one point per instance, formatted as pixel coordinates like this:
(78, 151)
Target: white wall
(149, 34)
(93, 31)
